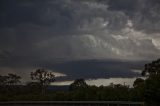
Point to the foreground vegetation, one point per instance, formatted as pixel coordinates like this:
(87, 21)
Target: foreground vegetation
(147, 90)
(82, 93)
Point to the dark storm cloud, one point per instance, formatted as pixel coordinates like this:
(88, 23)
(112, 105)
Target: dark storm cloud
(143, 13)
(29, 23)
(66, 16)
(99, 68)
(34, 33)
(39, 12)
(149, 18)
(123, 5)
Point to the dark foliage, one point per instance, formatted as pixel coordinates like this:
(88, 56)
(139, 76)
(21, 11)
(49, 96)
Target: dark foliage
(152, 83)
(147, 90)
(43, 78)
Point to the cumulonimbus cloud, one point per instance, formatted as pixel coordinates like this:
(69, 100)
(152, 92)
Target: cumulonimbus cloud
(38, 32)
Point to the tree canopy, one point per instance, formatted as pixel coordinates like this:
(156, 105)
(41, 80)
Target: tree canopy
(43, 77)
(78, 83)
(10, 79)
(152, 68)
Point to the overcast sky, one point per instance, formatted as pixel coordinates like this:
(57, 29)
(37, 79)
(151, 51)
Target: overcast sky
(37, 32)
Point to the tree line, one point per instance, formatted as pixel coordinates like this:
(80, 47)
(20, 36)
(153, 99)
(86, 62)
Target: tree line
(147, 90)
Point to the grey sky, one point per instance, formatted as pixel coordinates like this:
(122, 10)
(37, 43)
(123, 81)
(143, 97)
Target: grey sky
(34, 33)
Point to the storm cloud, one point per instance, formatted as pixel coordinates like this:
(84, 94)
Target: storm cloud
(35, 33)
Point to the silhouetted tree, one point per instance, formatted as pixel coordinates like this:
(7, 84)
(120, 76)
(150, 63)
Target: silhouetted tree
(78, 83)
(152, 83)
(3, 80)
(43, 77)
(13, 79)
(138, 82)
(10, 79)
(152, 90)
(152, 68)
